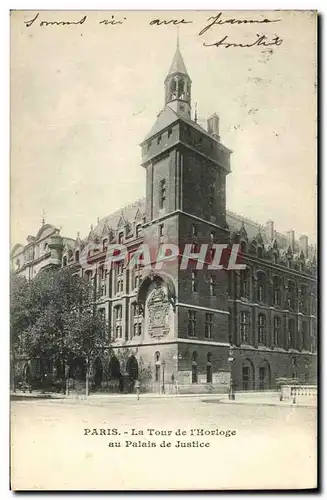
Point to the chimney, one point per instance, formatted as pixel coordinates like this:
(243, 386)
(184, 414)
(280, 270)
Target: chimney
(269, 230)
(290, 239)
(304, 244)
(213, 126)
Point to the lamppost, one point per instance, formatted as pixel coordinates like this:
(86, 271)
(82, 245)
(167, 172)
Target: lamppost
(231, 358)
(163, 376)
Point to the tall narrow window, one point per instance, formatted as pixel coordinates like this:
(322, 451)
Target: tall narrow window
(191, 323)
(120, 238)
(208, 326)
(194, 282)
(291, 295)
(161, 230)
(261, 329)
(276, 290)
(276, 332)
(291, 334)
(245, 283)
(305, 340)
(209, 368)
(194, 368)
(244, 327)
(138, 230)
(213, 286)
(261, 287)
(162, 194)
(194, 230)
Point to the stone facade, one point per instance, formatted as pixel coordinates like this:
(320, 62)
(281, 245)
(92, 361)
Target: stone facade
(197, 329)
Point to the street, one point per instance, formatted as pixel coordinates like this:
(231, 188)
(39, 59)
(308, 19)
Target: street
(160, 443)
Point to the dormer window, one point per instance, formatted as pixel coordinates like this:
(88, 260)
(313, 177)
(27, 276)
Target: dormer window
(138, 230)
(77, 256)
(159, 139)
(105, 245)
(120, 238)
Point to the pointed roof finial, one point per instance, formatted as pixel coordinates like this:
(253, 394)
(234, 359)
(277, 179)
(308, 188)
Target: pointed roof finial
(178, 65)
(178, 37)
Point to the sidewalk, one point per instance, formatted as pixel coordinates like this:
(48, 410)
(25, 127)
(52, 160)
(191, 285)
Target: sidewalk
(241, 398)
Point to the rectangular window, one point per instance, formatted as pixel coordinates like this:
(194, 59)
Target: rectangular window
(208, 326)
(118, 312)
(213, 286)
(244, 327)
(191, 323)
(194, 282)
(276, 331)
(162, 193)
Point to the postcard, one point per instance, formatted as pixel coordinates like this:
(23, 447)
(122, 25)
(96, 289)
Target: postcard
(163, 309)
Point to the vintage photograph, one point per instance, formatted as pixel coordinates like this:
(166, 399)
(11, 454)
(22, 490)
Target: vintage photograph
(163, 287)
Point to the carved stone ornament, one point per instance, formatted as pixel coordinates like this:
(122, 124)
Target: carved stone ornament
(158, 309)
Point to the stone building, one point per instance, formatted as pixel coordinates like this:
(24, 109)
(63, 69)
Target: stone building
(198, 328)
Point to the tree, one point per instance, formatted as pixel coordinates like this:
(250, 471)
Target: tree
(85, 337)
(51, 318)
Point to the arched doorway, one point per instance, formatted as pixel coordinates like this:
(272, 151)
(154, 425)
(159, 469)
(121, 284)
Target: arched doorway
(115, 378)
(114, 368)
(247, 375)
(98, 373)
(264, 376)
(132, 368)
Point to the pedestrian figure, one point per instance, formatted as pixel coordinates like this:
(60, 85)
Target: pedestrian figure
(137, 387)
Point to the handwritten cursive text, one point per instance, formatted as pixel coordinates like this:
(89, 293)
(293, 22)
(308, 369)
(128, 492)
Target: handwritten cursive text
(217, 20)
(261, 40)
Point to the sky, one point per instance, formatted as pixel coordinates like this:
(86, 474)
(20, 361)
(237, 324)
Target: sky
(84, 96)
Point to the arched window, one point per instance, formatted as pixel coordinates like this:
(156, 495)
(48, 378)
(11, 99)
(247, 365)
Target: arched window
(64, 261)
(243, 246)
(261, 329)
(209, 368)
(194, 368)
(77, 256)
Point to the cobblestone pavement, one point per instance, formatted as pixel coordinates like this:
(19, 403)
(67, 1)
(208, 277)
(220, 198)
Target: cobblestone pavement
(73, 444)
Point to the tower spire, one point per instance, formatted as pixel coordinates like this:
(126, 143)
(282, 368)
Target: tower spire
(43, 217)
(178, 85)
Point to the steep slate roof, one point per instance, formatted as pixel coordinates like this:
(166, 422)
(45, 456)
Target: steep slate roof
(128, 213)
(178, 65)
(136, 210)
